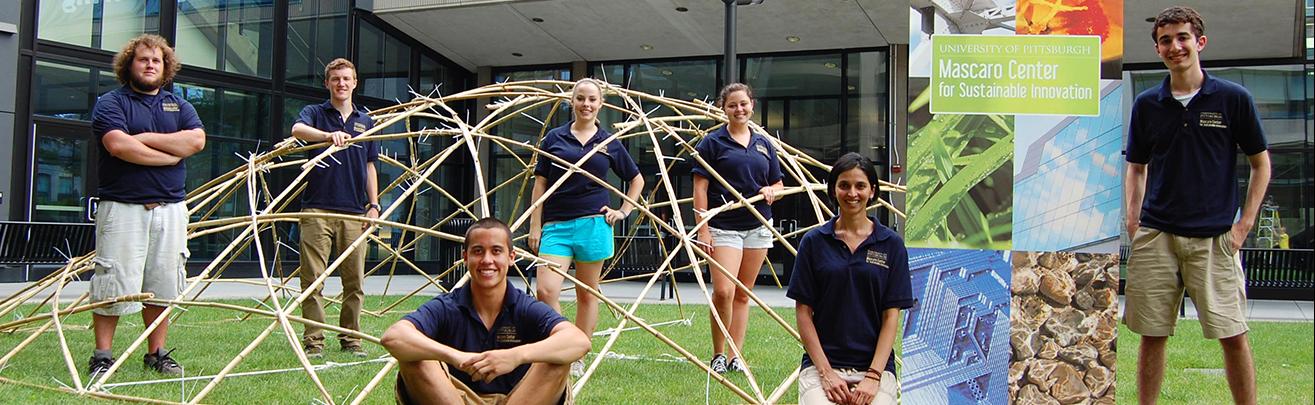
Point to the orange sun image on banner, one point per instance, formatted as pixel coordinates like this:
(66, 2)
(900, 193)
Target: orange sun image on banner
(1075, 17)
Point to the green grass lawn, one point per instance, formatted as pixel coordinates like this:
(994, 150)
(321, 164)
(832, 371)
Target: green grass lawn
(648, 371)
(1283, 357)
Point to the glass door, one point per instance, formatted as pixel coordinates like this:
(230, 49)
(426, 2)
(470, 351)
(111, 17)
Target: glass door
(63, 176)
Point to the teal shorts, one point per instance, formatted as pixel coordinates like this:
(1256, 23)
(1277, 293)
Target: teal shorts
(585, 239)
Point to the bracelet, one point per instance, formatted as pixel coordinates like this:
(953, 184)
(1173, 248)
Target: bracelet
(873, 374)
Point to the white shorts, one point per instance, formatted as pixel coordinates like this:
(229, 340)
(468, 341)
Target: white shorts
(756, 238)
(138, 250)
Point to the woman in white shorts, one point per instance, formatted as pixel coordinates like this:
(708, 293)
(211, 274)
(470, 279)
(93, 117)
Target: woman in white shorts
(736, 239)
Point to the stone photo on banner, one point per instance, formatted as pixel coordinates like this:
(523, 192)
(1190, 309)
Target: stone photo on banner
(1063, 326)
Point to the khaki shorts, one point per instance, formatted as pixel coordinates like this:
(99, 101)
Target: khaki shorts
(138, 250)
(1162, 265)
(469, 396)
(812, 393)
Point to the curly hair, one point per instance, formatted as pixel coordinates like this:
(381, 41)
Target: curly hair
(1179, 15)
(123, 60)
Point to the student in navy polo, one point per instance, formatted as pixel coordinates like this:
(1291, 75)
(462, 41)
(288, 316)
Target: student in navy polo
(1181, 197)
(144, 133)
(575, 223)
(850, 281)
(736, 239)
(346, 183)
(486, 342)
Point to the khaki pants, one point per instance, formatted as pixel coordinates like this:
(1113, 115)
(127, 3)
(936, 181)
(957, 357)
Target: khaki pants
(1162, 265)
(322, 242)
(812, 393)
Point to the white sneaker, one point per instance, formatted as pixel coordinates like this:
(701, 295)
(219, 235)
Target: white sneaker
(577, 368)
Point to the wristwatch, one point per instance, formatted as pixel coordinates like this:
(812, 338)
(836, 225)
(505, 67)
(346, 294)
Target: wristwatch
(375, 206)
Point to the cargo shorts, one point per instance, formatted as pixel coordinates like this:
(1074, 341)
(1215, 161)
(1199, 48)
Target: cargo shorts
(139, 248)
(1162, 265)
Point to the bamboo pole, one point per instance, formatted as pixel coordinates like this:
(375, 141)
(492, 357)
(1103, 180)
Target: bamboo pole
(683, 122)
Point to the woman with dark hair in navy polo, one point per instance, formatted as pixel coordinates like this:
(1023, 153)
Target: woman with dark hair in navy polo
(736, 239)
(850, 281)
(575, 224)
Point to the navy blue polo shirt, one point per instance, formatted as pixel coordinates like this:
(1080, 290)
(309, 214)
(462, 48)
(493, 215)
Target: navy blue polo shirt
(341, 185)
(746, 169)
(848, 291)
(451, 319)
(134, 113)
(1191, 155)
(579, 196)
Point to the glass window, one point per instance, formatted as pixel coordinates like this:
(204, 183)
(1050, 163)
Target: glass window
(291, 110)
(433, 74)
(62, 91)
(229, 113)
(317, 33)
(232, 36)
(793, 76)
(60, 170)
(815, 127)
(383, 65)
(867, 113)
(219, 156)
(97, 24)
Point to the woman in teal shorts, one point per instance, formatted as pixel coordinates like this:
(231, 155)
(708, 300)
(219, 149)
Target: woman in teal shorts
(575, 223)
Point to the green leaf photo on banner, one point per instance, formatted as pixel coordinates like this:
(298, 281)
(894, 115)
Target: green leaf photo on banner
(960, 177)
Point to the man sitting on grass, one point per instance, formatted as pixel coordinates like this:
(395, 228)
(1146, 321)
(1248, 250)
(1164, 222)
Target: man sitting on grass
(486, 342)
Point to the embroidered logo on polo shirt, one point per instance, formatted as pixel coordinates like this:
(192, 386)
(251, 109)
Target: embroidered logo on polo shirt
(877, 258)
(507, 334)
(359, 127)
(1212, 119)
(169, 107)
(762, 149)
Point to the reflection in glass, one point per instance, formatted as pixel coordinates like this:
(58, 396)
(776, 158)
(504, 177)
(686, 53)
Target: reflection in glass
(232, 36)
(219, 156)
(61, 91)
(317, 33)
(58, 188)
(228, 113)
(384, 65)
(793, 76)
(814, 127)
(97, 24)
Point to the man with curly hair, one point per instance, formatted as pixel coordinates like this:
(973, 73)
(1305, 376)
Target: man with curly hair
(145, 132)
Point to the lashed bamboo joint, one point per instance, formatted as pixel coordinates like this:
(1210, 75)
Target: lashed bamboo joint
(669, 128)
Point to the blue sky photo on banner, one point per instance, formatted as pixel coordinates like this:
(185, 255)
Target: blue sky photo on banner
(1015, 133)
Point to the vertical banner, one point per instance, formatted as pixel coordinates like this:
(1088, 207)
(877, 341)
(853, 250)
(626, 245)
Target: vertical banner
(1014, 140)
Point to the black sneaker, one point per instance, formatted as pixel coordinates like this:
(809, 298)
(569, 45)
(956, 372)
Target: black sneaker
(162, 363)
(718, 364)
(736, 366)
(99, 365)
